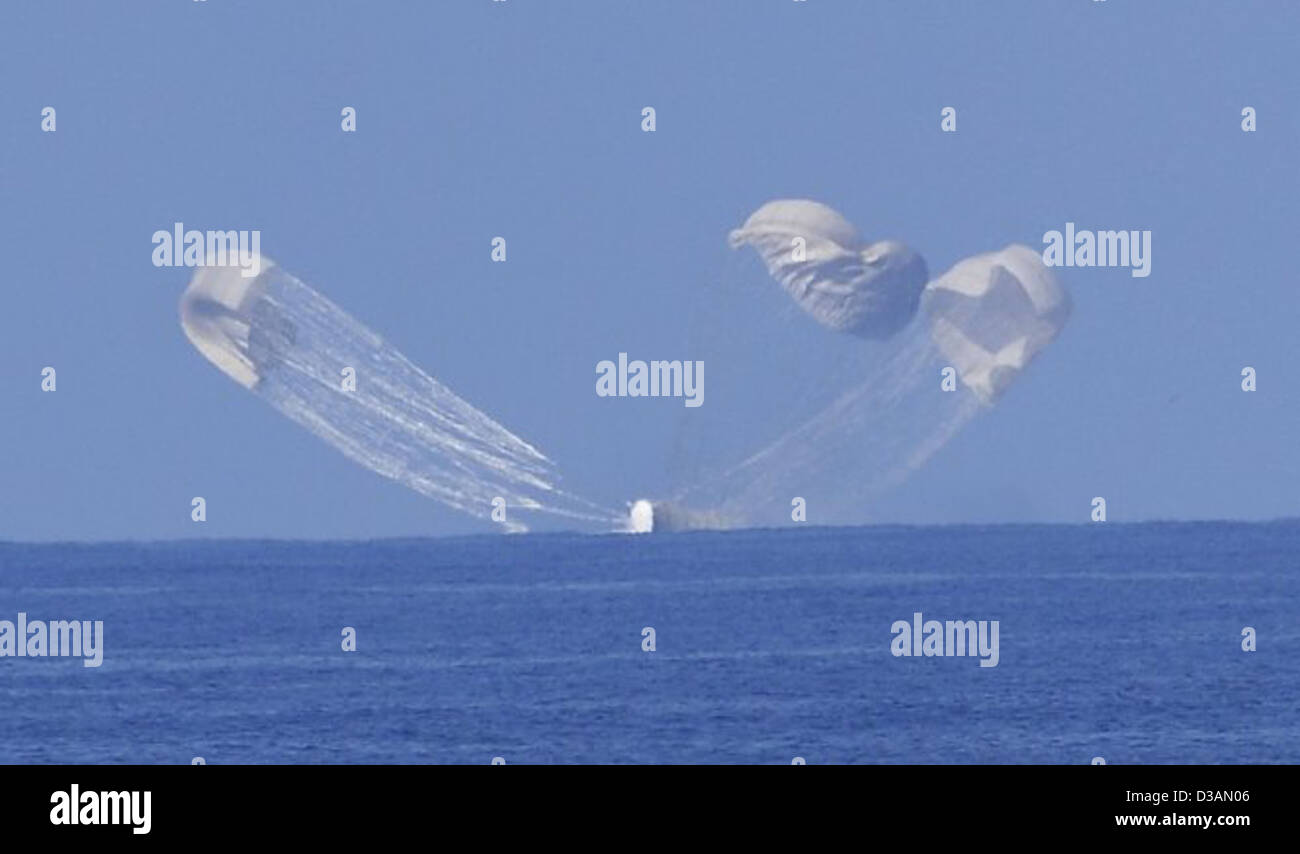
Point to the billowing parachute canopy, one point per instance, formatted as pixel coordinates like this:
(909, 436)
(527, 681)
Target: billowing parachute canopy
(992, 313)
(866, 290)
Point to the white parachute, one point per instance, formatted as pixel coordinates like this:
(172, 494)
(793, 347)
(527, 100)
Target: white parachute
(989, 315)
(887, 413)
(870, 290)
(290, 346)
(992, 314)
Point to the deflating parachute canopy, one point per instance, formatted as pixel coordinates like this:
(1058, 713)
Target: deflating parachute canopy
(991, 314)
(217, 314)
(872, 413)
(322, 368)
(866, 290)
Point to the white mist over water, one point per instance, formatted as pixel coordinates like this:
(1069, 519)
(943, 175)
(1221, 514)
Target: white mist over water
(289, 345)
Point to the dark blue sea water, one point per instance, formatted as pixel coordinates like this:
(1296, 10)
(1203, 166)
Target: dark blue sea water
(1119, 641)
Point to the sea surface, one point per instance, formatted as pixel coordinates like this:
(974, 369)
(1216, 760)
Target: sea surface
(1116, 641)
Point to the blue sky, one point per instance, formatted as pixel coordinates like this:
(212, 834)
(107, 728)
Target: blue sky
(522, 119)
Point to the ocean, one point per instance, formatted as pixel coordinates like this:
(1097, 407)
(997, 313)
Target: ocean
(1119, 642)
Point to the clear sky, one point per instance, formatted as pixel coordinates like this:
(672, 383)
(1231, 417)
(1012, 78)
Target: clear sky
(522, 119)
